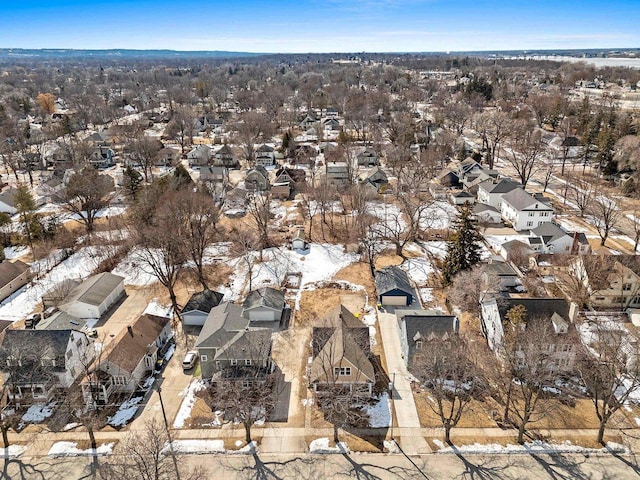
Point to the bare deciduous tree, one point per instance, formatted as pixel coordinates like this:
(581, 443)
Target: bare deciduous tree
(606, 215)
(525, 150)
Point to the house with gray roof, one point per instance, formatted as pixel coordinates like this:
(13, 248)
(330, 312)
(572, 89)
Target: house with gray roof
(550, 237)
(490, 191)
(197, 309)
(417, 327)
(257, 179)
(486, 213)
(230, 345)
(368, 158)
(394, 287)
(524, 210)
(341, 358)
(37, 363)
(554, 312)
(93, 297)
(199, 156)
(7, 202)
(224, 157)
(265, 155)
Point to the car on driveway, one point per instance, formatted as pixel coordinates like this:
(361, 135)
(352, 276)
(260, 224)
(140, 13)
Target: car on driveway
(189, 360)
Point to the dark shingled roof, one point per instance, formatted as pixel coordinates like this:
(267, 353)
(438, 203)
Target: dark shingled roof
(549, 232)
(392, 278)
(423, 323)
(536, 307)
(50, 344)
(11, 270)
(504, 185)
(203, 301)
(264, 297)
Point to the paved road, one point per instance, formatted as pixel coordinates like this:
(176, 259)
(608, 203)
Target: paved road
(362, 466)
(404, 406)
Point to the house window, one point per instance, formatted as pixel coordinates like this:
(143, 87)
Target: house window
(38, 391)
(79, 342)
(567, 248)
(419, 345)
(69, 354)
(234, 362)
(626, 286)
(247, 362)
(544, 214)
(204, 358)
(529, 224)
(342, 371)
(246, 383)
(531, 214)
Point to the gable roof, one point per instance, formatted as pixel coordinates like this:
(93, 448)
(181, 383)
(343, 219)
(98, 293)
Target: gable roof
(46, 343)
(135, 341)
(8, 196)
(264, 148)
(549, 231)
(535, 307)
(392, 278)
(95, 290)
(504, 185)
(203, 301)
(421, 324)
(225, 150)
(221, 323)
(483, 207)
(522, 200)
(258, 169)
(9, 271)
(264, 297)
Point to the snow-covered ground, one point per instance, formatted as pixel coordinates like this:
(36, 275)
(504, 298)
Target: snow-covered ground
(79, 265)
(38, 413)
(207, 446)
(536, 446)
(380, 412)
(13, 451)
(125, 413)
(159, 310)
(321, 445)
(418, 269)
(188, 402)
(70, 449)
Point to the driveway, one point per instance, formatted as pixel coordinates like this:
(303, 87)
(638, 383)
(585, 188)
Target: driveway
(411, 441)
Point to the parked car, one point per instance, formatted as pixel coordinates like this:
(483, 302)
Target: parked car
(32, 320)
(159, 364)
(189, 360)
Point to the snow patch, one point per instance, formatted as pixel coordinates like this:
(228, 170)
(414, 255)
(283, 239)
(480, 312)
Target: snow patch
(189, 401)
(379, 412)
(321, 445)
(125, 413)
(70, 449)
(537, 446)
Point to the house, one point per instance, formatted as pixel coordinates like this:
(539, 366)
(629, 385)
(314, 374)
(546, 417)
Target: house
(490, 191)
(462, 198)
(308, 122)
(298, 241)
(368, 158)
(515, 249)
(416, 327)
(257, 179)
(331, 124)
(37, 363)
(224, 158)
(486, 213)
(102, 157)
(551, 238)
(264, 305)
(13, 276)
(167, 157)
(611, 281)
(524, 210)
(556, 312)
(98, 139)
(228, 343)
(265, 156)
(198, 307)
(7, 201)
(341, 355)
(50, 189)
(288, 182)
(394, 287)
(375, 178)
(338, 175)
(126, 361)
(93, 297)
(199, 156)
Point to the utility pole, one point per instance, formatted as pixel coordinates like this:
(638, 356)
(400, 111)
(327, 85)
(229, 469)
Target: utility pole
(393, 405)
(166, 425)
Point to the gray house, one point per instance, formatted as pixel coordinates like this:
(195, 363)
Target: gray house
(394, 287)
(265, 155)
(257, 179)
(199, 156)
(368, 158)
(198, 307)
(229, 345)
(416, 327)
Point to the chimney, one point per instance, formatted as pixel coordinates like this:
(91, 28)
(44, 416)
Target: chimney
(130, 330)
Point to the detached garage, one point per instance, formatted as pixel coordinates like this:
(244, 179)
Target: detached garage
(94, 296)
(197, 309)
(264, 305)
(394, 287)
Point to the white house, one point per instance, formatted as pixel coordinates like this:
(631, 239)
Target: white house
(525, 211)
(486, 213)
(94, 296)
(549, 237)
(7, 202)
(36, 363)
(490, 191)
(265, 155)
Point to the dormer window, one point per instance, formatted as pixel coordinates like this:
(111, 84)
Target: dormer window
(419, 345)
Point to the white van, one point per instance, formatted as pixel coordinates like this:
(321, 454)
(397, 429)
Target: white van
(189, 360)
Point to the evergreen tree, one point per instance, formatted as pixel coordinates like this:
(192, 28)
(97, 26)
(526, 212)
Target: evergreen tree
(181, 177)
(132, 182)
(26, 207)
(463, 249)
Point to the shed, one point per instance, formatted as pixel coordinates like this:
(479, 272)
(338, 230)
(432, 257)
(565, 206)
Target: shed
(298, 242)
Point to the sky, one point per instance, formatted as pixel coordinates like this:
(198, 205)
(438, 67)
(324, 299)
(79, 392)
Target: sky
(300, 26)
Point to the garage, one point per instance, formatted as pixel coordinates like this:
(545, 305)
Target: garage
(394, 287)
(93, 297)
